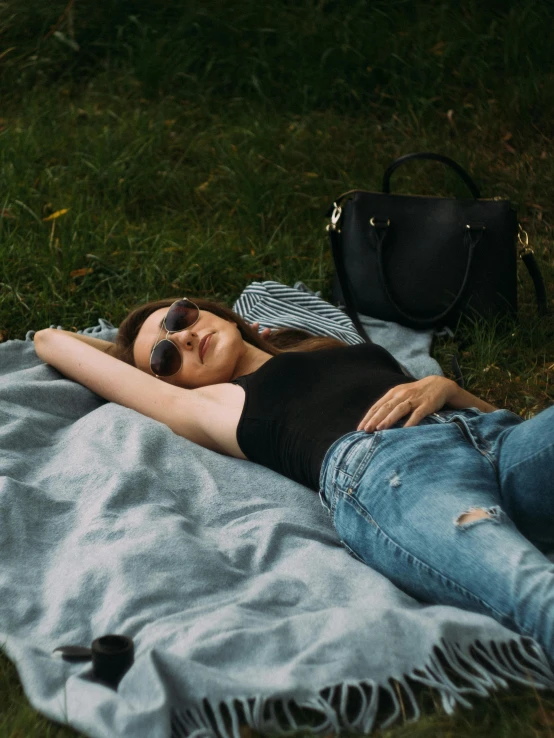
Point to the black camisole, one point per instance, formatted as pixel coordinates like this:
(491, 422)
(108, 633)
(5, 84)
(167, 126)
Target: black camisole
(299, 403)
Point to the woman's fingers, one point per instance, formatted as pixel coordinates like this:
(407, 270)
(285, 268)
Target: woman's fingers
(386, 414)
(256, 326)
(415, 400)
(375, 415)
(418, 414)
(395, 405)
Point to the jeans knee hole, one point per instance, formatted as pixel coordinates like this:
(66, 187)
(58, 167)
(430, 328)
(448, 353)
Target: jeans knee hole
(476, 515)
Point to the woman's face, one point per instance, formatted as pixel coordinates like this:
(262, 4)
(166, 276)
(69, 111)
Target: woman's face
(224, 349)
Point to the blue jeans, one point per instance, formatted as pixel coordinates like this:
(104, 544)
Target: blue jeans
(398, 499)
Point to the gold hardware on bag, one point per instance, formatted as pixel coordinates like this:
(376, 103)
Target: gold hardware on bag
(335, 217)
(523, 240)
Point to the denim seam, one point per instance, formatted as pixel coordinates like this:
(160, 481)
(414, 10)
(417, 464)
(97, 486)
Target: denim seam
(367, 516)
(471, 438)
(334, 494)
(353, 553)
(461, 423)
(370, 452)
(333, 503)
(326, 461)
(343, 460)
(346, 459)
(324, 477)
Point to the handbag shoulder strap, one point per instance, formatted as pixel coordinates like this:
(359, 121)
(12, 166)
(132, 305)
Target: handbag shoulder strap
(538, 282)
(526, 254)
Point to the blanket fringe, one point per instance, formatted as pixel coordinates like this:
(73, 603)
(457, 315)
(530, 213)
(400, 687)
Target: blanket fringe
(453, 671)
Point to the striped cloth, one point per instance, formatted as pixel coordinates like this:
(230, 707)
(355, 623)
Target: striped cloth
(275, 305)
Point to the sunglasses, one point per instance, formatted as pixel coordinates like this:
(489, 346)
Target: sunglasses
(166, 359)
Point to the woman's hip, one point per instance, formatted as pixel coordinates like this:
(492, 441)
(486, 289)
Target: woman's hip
(439, 446)
(394, 470)
(347, 460)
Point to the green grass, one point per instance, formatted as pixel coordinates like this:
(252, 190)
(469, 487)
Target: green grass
(196, 148)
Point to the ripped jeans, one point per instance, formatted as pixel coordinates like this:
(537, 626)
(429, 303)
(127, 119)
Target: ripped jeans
(458, 510)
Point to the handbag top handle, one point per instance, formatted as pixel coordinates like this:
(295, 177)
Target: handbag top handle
(436, 157)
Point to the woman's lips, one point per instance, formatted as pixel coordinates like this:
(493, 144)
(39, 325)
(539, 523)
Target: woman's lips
(204, 347)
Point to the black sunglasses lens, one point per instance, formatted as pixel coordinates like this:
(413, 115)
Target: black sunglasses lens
(181, 315)
(165, 359)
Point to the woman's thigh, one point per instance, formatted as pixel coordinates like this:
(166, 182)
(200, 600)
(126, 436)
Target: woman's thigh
(422, 506)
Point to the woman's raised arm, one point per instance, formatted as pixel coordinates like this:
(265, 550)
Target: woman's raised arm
(186, 412)
(106, 346)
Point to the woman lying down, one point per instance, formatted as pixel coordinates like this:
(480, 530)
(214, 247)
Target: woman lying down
(449, 497)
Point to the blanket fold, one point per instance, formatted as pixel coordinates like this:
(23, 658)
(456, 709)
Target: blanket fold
(242, 604)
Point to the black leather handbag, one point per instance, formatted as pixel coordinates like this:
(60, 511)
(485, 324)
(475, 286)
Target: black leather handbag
(424, 261)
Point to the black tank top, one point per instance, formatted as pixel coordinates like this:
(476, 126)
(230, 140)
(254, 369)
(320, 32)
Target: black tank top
(299, 403)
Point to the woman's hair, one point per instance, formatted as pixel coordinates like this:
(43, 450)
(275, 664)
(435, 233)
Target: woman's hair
(283, 339)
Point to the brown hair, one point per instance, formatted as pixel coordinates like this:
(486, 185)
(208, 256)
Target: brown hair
(283, 339)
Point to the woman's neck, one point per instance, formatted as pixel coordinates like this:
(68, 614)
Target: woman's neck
(250, 361)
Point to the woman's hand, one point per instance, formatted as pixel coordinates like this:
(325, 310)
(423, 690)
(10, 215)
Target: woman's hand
(415, 399)
(266, 331)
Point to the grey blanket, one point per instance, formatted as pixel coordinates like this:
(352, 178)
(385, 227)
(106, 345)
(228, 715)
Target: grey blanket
(242, 604)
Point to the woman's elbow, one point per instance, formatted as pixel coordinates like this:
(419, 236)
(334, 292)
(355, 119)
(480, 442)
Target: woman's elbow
(41, 340)
(39, 335)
